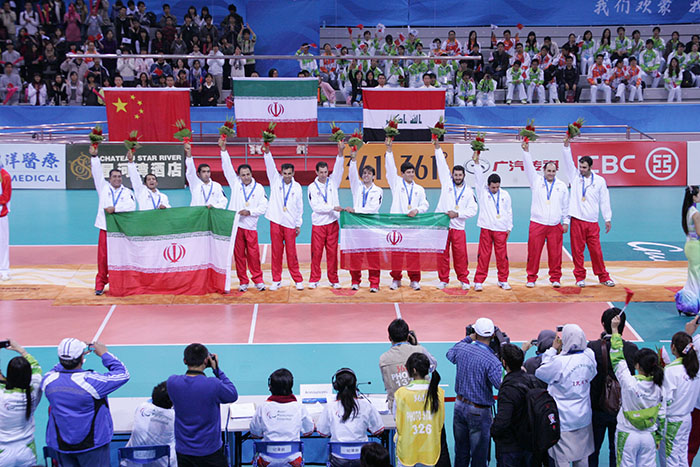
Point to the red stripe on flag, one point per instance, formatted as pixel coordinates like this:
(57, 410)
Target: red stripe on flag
(389, 261)
(282, 130)
(152, 113)
(374, 99)
(199, 282)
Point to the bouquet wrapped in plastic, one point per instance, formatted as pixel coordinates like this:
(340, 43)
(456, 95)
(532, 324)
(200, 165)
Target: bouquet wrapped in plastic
(132, 142)
(528, 133)
(575, 128)
(392, 128)
(479, 143)
(183, 133)
(355, 140)
(438, 130)
(337, 134)
(269, 134)
(226, 129)
(96, 136)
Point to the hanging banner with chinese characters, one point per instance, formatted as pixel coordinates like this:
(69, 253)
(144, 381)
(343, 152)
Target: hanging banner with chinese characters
(165, 161)
(35, 166)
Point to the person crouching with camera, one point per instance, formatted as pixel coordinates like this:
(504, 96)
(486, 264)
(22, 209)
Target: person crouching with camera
(478, 372)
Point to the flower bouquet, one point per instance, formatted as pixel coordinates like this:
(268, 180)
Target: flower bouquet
(226, 129)
(96, 136)
(438, 130)
(392, 128)
(478, 143)
(132, 142)
(528, 133)
(355, 140)
(337, 134)
(269, 134)
(575, 128)
(183, 133)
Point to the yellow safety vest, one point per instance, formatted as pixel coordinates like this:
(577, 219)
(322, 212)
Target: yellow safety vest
(417, 429)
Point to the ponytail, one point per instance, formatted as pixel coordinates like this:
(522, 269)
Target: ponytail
(19, 376)
(345, 383)
(28, 397)
(683, 344)
(690, 191)
(648, 361)
(419, 364)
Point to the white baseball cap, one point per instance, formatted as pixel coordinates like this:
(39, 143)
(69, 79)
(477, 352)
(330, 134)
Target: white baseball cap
(484, 327)
(71, 348)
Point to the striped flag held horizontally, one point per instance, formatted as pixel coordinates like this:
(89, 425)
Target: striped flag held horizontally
(288, 102)
(392, 241)
(417, 110)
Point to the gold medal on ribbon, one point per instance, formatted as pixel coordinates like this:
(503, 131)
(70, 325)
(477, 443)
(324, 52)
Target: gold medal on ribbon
(247, 203)
(284, 209)
(456, 207)
(583, 198)
(409, 207)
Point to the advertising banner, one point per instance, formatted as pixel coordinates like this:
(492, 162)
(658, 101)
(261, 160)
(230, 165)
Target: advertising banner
(36, 166)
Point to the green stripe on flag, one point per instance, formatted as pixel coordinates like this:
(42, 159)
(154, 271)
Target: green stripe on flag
(275, 88)
(434, 221)
(173, 221)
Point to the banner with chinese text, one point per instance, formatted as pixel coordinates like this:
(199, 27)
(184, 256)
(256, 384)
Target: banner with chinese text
(35, 166)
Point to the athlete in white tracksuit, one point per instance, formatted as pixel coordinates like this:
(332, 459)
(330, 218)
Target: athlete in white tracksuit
(17, 447)
(680, 395)
(638, 428)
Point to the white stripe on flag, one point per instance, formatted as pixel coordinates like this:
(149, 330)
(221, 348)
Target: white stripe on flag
(417, 119)
(372, 239)
(273, 108)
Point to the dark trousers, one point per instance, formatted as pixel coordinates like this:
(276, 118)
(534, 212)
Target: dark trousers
(562, 93)
(603, 422)
(514, 459)
(444, 459)
(94, 458)
(216, 459)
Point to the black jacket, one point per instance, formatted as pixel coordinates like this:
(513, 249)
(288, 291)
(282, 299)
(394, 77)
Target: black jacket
(508, 429)
(629, 350)
(205, 94)
(570, 77)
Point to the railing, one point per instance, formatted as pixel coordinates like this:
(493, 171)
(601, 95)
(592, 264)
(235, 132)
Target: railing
(465, 132)
(276, 57)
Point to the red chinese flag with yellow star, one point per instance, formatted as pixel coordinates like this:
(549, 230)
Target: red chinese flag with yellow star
(151, 112)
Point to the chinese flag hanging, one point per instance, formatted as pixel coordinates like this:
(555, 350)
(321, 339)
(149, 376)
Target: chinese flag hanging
(152, 112)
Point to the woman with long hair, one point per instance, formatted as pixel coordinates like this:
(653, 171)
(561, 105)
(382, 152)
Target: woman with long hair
(587, 52)
(419, 409)
(681, 389)
(673, 77)
(688, 298)
(471, 42)
(531, 46)
(349, 418)
(643, 405)
(568, 368)
(20, 391)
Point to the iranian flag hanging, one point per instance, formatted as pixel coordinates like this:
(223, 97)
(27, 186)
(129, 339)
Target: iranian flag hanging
(392, 241)
(291, 103)
(180, 251)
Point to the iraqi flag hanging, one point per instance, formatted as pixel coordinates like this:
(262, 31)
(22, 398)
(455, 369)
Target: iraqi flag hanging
(392, 241)
(291, 103)
(180, 251)
(417, 111)
(151, 112)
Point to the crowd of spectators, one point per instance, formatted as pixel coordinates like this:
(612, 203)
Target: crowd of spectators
(579, 389)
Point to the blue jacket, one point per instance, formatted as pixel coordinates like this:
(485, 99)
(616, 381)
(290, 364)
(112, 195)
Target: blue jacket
(79, 417)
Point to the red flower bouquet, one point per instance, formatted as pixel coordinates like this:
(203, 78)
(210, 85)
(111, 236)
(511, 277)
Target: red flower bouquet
(392, 128)
(96, 136)
(575, 128)
(355, 140)
(132, 142)
(528, 133)
(183, 133)
(479, 143)
(438, 130)
(226, 129)
(337, 134)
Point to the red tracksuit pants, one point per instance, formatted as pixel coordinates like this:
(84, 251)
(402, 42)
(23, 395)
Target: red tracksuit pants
(587, 234)
(489, 239)
(284, 239)
(458, 240)
(554, 236)
(356, 277)
(102, 277)
(324, 237)
(247, 256)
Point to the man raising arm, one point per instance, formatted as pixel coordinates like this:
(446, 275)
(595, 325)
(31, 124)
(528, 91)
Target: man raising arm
(148, 195)
(205, 191)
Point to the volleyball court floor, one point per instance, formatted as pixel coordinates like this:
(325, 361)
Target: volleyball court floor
(311, 332)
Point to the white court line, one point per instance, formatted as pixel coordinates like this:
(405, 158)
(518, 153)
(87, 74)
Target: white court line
(252, 324)
(566, 252)
(264, 253)
(104, 323)
(398, 310)
(629, 326)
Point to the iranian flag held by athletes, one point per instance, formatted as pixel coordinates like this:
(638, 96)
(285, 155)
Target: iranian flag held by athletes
(417, 110)
(291, 103)
(180, 251)
(392, 241)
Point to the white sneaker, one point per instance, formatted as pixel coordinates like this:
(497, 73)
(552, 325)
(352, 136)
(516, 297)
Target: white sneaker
(260, 286)
(395, 285)
(298, 149)
(299, 285)
(478, 287)
(556, 284)
(504, 285)
(304, 149)
(276, 285)
(609, 283)
(326, 104)
(251, 148)
(441, 285)
(312, 285)
(466, 286)
(332, 104)
(415, 285)
(336, 286)
(581, 283)
(530, 285)
(373, 290)
(355, 287)
(5, 276)
(243, 288)
(258, 148)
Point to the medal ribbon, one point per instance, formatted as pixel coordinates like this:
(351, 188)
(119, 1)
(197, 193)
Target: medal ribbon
(585, 188)
(409, 195)
(247, 197)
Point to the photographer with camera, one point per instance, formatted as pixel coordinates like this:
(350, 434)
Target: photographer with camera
(196, 400)
(544, 340)
(478, 372)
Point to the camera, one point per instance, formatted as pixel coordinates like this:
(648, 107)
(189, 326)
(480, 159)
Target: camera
(498, 338)
(534, 342)
(4, 344)
(412, 339)
(560, 328)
